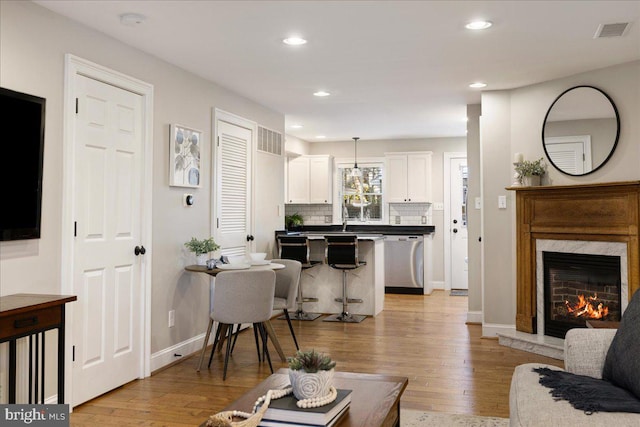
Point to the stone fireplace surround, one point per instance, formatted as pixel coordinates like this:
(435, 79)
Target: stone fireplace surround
(578, 247)
(602, 218)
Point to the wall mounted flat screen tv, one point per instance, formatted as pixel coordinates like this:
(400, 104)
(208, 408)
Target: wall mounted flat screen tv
(22, 119)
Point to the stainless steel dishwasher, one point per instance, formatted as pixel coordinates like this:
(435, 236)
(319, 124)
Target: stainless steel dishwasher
(404, 264)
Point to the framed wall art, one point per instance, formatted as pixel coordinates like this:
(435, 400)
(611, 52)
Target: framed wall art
(184, 156)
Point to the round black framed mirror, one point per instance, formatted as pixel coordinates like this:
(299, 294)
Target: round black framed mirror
(580, 130)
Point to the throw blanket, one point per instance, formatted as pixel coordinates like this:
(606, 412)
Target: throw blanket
(587, 393)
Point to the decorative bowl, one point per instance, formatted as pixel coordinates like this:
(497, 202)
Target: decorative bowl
(237, 260)
(258, 256)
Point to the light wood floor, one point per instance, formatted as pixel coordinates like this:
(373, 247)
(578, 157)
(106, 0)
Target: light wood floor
(425, 338)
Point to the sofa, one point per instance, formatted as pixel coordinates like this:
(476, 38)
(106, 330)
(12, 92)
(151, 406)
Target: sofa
(531, 404)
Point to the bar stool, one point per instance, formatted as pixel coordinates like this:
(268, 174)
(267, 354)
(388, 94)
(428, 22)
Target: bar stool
(297, 248)
(342, 254)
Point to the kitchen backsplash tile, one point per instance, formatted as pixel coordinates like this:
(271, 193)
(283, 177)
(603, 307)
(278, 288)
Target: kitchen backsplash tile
(410, 214)
(312, 214)
(399, 213)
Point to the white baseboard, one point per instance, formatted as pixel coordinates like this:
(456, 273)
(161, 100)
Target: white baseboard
(474, 317)
(439, 284)
(491, 330)
(167, 356)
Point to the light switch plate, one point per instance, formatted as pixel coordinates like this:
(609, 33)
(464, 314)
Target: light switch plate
(438, 206)
(478, 203)
(502, 202)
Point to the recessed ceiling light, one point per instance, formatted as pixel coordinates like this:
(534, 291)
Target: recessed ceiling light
(321, 93)
(477, 85)
(294, 41)
(320, 136)
(132, 19)
(296, 126)
(478, 25)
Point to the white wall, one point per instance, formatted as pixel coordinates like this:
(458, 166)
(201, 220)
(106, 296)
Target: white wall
(512, 123)
(296, 146)
(33, 42)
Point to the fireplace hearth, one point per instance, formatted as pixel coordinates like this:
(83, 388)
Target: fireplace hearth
(579, 287)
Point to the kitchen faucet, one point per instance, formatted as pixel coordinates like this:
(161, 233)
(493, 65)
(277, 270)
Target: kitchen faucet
(345, 216)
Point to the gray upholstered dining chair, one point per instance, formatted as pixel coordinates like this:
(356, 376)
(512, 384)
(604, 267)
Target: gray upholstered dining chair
(287, 283)
(241, 296)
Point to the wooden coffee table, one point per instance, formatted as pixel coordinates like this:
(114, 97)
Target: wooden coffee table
(375, 400)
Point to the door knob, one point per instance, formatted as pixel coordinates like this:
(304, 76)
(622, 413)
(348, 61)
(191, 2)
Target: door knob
(455, 230)
(455, 221)
(249, 238)
(139, 250)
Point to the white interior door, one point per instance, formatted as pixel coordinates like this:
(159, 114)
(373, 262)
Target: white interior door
(458, 217)
(572, 154)
(233, 195)
(108, 176)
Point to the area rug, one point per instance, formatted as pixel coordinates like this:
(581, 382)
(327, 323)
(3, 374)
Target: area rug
(413, 418)
(459, 293)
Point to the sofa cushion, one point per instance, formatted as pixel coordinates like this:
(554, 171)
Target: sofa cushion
(622, 365)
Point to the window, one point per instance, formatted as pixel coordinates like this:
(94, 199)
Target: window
(362, 195)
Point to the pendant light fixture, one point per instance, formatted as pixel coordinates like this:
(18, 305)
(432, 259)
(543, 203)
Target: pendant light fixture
(356, 170)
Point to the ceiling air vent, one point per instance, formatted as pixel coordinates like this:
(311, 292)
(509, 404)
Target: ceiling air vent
(611, 30)
(269, 141)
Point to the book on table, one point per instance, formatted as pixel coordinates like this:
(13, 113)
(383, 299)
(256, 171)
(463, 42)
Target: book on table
(285, 412)
(273, 423)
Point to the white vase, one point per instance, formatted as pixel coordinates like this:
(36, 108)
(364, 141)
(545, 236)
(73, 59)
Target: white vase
(531, 181)
(202, 259)
(309, 385)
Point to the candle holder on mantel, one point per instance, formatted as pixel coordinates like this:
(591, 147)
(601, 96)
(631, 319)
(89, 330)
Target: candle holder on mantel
(518, 158)
(517, 179)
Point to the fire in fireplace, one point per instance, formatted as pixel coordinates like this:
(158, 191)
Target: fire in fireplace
(578, 288)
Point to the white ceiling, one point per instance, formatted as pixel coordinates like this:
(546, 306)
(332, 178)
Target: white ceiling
(395, 69)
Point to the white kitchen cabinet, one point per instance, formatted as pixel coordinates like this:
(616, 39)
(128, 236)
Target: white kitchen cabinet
(309, 179)
(408, 177)
(320, 177)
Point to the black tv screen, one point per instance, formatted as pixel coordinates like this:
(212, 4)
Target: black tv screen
(22, 125)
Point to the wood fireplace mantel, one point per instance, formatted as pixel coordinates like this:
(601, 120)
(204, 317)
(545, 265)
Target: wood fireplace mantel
(592, 212)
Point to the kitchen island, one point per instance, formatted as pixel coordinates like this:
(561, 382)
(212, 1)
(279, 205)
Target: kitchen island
(366, 282)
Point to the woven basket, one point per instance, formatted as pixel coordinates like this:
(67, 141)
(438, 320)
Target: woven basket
(225, 418)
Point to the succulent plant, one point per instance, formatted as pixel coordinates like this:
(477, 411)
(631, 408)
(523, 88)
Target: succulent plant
(310, 361)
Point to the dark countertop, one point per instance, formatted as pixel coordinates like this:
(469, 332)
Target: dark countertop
(388, 230)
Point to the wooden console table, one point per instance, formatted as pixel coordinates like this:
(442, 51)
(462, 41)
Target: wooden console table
(30, 315)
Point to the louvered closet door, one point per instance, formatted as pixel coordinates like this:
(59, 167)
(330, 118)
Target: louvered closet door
(569, 156)
(233, 160)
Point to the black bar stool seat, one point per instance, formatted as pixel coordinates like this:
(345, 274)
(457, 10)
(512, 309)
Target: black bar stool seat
(342, 254)
(297, 248)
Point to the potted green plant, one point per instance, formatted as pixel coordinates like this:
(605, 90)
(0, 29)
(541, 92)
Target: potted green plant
(293, 220)
(202, 248)
(310, 374)
(530, 171)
